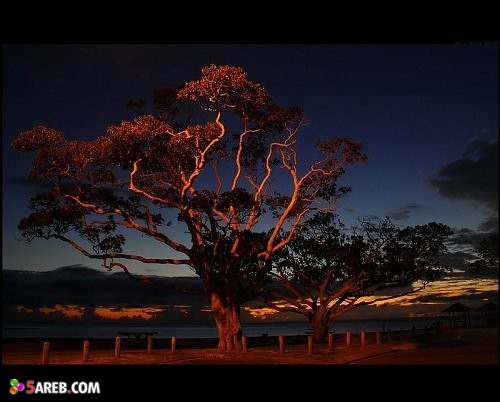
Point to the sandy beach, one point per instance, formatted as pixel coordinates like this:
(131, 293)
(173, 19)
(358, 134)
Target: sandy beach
(456, 346)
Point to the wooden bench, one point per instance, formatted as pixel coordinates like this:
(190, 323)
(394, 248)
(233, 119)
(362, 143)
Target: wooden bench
(137, 334)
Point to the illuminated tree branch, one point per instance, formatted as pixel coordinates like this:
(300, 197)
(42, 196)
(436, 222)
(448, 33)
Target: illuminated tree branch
(333, 273)
(184, 187)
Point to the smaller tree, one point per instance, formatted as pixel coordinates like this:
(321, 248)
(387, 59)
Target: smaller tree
(487, 263)
(325, 272)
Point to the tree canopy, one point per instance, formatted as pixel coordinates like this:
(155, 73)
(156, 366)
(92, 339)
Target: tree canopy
(326, 271)
(487, 262)
(220, 160)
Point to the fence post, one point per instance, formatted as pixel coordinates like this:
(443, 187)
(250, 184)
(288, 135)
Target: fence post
(363, 337)
(330, 342)
(86, 350)
(348, 338)
(118, 341)
(377, 337)
(173, 344)
(45, 353)
(150, 345)
(244, 343)
(281, 341)
(310, 344)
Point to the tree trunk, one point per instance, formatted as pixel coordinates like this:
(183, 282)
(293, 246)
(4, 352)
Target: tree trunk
(319, 325)
(227, 318)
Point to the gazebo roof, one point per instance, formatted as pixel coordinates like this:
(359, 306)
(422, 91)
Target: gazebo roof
(456, 307)
(490, 306)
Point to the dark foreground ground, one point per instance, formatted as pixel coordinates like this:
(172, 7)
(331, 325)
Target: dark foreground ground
(456, 346)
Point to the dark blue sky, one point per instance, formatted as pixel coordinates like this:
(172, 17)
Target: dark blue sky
(426, 114)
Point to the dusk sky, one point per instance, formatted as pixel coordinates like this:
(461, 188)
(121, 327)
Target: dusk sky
(427, 116)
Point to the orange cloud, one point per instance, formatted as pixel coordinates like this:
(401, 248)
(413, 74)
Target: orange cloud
(113, 313)
(69, 311)
(24, 309)
(261, 313)
(445, 288)
(184, 309)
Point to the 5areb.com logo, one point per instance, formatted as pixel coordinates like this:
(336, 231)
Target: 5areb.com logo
(54, 387)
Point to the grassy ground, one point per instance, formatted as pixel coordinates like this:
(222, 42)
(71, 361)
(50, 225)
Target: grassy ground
(458, 346)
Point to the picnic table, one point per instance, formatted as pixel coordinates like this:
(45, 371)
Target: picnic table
(137, 334)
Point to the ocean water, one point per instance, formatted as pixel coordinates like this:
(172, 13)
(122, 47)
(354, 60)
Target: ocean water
(106, 331)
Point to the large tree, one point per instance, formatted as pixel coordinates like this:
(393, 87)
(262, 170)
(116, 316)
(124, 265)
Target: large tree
(324, 272)
(228, 173)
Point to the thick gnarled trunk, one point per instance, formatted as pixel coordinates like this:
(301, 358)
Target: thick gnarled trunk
(227, 318)
(319, 325)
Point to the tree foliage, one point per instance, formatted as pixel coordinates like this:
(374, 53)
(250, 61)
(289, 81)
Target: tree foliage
(324, 272)
(213, 161)
(487, 262)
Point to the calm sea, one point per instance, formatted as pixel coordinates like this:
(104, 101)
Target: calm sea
(209, 331)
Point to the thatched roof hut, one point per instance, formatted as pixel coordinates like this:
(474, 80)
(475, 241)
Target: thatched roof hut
(458, 308)
(490, 306)
(489, 314)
